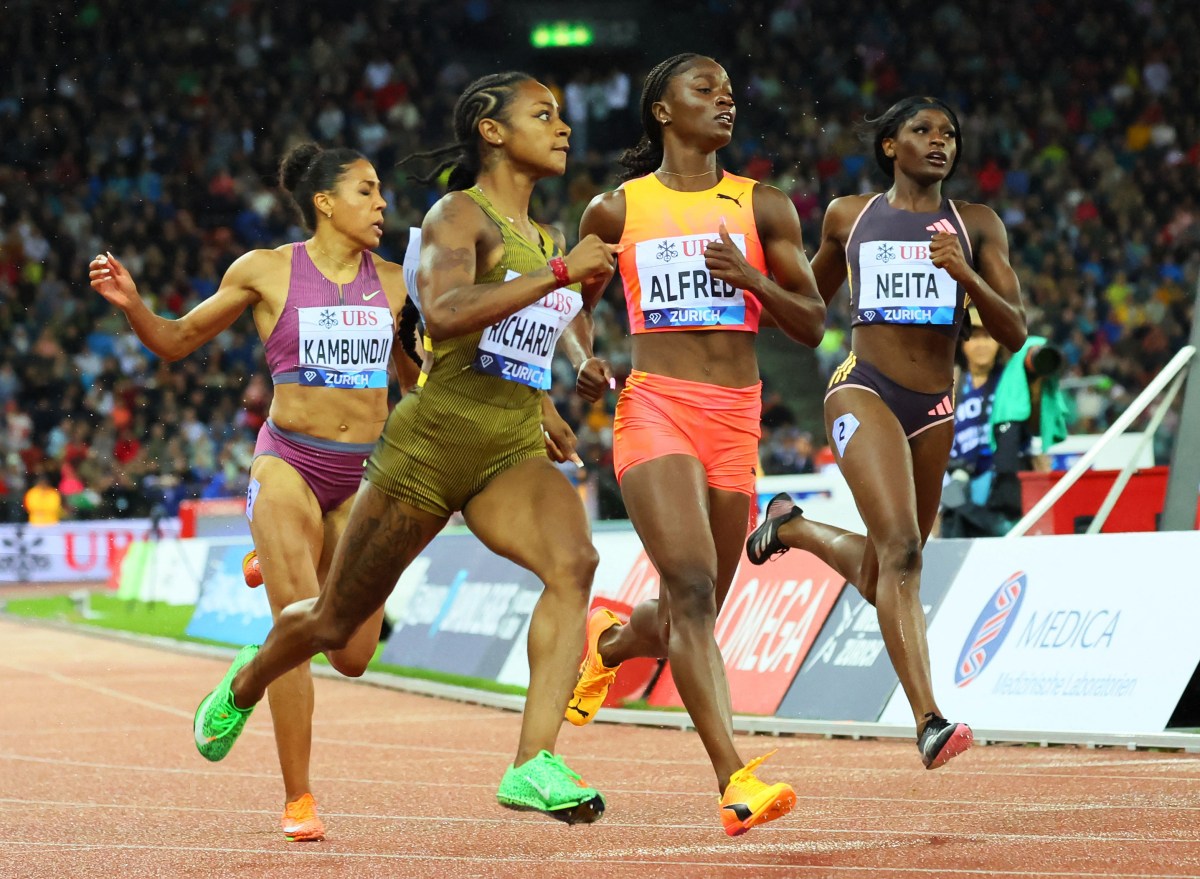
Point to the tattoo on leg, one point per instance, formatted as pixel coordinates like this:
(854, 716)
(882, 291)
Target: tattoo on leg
(377, 548)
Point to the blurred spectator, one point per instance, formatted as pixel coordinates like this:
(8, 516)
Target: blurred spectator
(965, 511)
(1079, 128)
(43, 503)
(789, 450)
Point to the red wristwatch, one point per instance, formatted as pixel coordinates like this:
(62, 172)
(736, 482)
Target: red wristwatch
(558, 265)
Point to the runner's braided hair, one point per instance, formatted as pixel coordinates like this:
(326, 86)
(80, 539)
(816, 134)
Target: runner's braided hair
(640, 160)
(486, 98)
(407, 329)
(307, 169)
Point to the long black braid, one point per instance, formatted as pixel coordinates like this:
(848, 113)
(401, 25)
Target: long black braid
(648, 154)
(407, 330)
(487, 97)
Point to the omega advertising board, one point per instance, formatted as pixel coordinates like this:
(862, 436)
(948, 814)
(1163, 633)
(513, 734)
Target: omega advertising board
(769, 621)
(1088, 633)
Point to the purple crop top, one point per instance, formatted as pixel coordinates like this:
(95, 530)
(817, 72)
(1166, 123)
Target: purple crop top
(328, 337)
(891, 278)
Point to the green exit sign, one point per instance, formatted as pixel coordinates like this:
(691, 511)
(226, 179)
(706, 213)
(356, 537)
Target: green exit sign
(560, 34)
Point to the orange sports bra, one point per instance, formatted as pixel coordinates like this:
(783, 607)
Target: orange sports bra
(661, 257)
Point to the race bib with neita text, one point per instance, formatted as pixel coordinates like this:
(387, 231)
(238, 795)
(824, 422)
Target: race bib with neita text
(344, 346)
(899, 285)
(677, 289)
(520, 348)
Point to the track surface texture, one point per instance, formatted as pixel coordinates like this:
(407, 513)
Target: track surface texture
(98, 777)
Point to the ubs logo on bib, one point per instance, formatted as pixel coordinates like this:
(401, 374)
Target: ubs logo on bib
(885, 253)
(328, 319)
(667, 251)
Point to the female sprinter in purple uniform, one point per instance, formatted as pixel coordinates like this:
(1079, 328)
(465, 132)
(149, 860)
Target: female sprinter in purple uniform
(915, 259)
(326, 310)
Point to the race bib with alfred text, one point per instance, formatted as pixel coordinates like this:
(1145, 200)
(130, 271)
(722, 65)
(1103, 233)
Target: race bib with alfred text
(520, 348)
(677, 289)
(899, 285)
(344, 346)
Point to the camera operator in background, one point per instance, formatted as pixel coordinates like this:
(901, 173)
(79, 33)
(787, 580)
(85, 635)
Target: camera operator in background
(1000, 408)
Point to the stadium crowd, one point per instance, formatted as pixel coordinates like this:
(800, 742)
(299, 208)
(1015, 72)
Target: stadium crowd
(157, 136)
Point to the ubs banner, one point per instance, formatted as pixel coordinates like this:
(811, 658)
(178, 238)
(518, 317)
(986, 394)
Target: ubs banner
(466, 608)
(770, 619)
(72, 550)
(848, 675)
(1076, 633)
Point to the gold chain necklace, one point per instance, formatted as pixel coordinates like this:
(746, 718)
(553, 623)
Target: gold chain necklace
(512, 220)
(686, 176)
(349, 265)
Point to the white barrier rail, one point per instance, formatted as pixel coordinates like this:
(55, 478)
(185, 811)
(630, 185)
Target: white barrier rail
(1175, 367)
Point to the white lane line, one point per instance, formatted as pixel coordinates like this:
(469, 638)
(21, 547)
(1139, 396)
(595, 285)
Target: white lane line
(1181, 762)
(1001, 771)
(1052, 805)
(726, 866)
(13, 803)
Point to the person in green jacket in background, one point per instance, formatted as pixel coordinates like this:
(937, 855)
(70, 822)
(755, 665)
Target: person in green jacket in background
(981, 495)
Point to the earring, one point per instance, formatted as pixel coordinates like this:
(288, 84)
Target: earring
(329, 214)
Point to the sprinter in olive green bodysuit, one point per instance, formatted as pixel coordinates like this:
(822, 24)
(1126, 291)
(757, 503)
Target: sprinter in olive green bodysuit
(495, 295)
(462, 426)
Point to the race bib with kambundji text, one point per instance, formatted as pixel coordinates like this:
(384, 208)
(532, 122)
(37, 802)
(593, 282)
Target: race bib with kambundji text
(899, 285)
(520, 348)
(677, 289)
(344, 346)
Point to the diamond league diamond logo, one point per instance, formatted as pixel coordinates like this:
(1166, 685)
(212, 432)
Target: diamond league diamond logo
(654, 317)
(23, 553)
(310, 375)
(486, 360)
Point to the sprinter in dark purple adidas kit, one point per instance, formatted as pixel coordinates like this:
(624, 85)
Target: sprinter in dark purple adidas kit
(327, 310)
(914, 259)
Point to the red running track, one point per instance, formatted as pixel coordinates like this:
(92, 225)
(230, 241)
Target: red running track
(98, 777)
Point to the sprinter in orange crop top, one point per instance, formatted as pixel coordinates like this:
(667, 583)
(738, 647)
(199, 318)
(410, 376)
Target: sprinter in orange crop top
(913, 259)
(702, 254)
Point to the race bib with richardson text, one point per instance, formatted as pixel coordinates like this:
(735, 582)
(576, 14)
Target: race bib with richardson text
(677, 289)
(520, 348)
(899, 285)
(344, 346)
